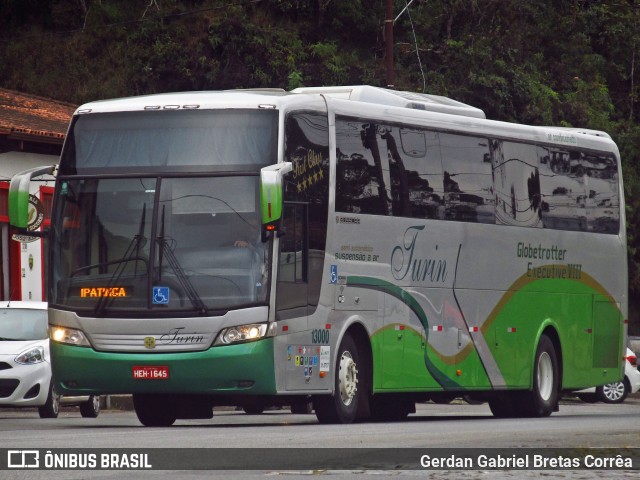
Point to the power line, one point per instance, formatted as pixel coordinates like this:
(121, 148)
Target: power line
(415, 41)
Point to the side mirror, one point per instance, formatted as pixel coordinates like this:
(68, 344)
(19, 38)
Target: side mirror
(22, 211)
(271, 196)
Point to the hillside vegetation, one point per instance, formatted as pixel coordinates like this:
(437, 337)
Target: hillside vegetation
(541, 62)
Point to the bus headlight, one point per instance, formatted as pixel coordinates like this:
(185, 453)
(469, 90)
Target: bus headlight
(244, 333)
(70, 336)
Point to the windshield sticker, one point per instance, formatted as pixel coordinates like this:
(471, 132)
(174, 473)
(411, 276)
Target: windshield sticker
(160, 295)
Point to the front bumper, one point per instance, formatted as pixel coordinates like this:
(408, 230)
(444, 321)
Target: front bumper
(246, 368)
(27, 377)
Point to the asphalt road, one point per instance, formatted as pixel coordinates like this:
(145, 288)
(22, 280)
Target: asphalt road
(577, 426)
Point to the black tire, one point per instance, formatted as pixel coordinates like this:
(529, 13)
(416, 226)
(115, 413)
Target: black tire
(155, 410)
(90, 408)
(542, 400)
(588, 397)
(52, 406)
(253, 409)
(302, 408)
(471, 400)
(443, 399)
(613, 392)
(502, 406)
(342, 406)
(391, 408)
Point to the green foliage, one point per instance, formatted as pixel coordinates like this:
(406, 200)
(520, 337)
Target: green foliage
(295, 80)
(627, 136)
(542, 62)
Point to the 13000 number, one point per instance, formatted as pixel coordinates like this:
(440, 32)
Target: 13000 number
(320, 336)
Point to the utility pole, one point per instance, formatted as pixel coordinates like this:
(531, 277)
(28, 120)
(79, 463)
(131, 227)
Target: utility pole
(388, 34)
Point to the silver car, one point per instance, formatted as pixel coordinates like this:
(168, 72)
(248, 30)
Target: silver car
(25, 363)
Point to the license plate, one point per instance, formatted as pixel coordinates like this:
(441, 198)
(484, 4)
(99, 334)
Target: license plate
(155, 372)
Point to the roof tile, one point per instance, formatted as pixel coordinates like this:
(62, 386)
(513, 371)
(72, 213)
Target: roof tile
(30, 115)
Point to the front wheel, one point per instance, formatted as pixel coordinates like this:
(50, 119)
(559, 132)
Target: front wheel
(613, 392)
(342, 406)
(52, 406)
(90, 408)
(155, 410)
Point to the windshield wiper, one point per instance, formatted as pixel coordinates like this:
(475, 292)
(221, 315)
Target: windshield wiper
(173, 262)
(131, 254)
(5, 339)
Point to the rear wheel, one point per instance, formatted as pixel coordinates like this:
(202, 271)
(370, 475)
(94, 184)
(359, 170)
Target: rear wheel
(342, 406)
(90, 408)
(52, 407)
(502, 406)
(543, 399)
(613, 392)
(155, 410)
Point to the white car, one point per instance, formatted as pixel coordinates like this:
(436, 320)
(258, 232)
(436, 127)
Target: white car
(25, 363)
(618, 391)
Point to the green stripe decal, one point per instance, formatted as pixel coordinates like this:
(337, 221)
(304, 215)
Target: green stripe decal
(406, 298)
(588, 320)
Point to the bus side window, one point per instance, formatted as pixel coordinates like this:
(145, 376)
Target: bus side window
(467, 179)
(294, 243)
(362, 184)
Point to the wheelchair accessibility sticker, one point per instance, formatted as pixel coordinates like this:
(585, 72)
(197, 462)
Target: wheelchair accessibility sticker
(160, 295)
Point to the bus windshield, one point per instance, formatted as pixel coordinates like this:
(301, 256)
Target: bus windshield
(152, 244)
(158, 211)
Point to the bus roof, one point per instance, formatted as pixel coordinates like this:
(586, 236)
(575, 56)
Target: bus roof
(383, 96)
(411, 107)
(358, 93)
(265, 98)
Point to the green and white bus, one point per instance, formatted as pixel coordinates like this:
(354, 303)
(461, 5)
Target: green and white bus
(358, 248)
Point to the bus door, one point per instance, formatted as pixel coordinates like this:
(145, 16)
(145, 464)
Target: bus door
(293, 286)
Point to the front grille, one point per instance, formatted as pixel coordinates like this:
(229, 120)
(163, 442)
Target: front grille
(165, 342)
(5, 366)
(8, 386)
